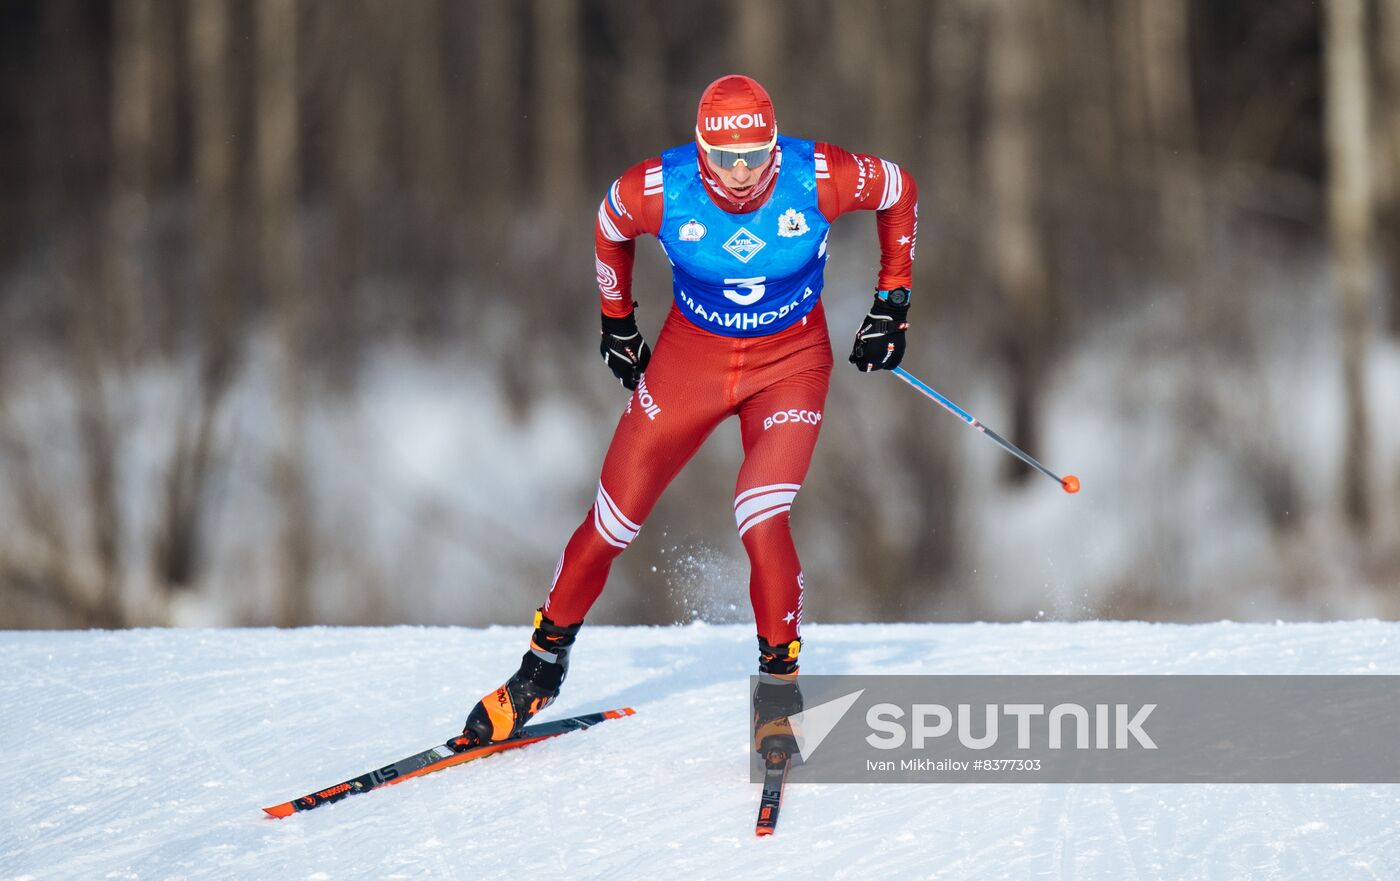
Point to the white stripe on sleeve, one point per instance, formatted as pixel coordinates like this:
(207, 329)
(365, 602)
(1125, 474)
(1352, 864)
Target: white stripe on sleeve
(605, 223)
(894, 184)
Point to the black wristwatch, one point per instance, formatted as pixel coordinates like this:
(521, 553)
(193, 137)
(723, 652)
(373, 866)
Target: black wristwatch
(897, 297)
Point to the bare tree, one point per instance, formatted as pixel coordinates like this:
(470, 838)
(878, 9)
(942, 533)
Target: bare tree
(279, 178)
(83, 569)
(1389, 48)
(953, 63)
(853, 46)
(352, 81)
(558, 116)
(641, 97)
(213, 132)
(497, 104)
(1171, 131)
(562, 209)
(893, 74)
(1349, 204)
(176, 542)
(431, 132)
(760, 44)
(1015, 250)
(160, 318)
(129, 210)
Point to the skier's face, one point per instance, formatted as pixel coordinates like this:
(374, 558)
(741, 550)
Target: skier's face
(740, 179)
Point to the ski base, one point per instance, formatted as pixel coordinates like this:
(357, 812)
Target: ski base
(775, 770)
(437, 758)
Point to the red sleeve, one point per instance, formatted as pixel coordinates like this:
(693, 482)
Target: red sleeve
(860, 182)
(632, 206)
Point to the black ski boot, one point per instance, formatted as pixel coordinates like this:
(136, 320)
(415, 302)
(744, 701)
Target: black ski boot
(775, 698)
(502, 713)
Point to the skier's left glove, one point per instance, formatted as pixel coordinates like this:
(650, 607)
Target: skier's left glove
(880, 341)
(623, 349)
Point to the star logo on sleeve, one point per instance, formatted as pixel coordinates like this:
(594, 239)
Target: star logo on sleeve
(904, 240)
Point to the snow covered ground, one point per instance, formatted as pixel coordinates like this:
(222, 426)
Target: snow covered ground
(148, 755)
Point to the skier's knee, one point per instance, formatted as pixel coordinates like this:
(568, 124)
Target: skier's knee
(763, 503)
(613, 526)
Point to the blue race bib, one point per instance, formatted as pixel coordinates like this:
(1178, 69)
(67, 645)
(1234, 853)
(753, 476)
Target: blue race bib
(744, 275)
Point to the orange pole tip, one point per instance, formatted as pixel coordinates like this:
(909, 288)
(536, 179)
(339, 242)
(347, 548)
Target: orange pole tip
(1070, 483)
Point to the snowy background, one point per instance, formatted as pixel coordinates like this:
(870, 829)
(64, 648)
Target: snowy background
(298, 328)
(148, 755)
(298, 323)
(434, 503)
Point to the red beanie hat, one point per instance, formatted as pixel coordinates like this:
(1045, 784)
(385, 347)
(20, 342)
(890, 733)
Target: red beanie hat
(735, 109)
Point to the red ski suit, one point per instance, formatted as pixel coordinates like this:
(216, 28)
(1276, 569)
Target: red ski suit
(775, 384)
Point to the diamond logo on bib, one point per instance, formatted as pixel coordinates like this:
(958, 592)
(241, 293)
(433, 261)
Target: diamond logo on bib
(743, 245)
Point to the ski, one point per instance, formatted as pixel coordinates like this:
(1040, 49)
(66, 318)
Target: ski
(437, 758)
(775, 770)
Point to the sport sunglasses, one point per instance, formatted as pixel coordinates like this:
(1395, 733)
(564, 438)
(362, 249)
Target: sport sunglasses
(727, 159)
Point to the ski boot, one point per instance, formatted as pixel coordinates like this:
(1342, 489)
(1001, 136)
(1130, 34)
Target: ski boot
(502, 713)
(775, 698)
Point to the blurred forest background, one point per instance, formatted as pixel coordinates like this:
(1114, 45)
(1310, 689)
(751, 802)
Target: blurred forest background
(298, 321)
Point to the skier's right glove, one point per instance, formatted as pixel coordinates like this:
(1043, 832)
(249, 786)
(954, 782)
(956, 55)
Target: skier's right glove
(879, 343)
(623, 349)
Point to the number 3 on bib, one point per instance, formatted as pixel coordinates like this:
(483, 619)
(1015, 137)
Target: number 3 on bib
(754, 288)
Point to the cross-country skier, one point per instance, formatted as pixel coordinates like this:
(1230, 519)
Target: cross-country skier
(743, 214)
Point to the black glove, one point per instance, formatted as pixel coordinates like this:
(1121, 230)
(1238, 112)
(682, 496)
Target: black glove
(880, 341)
(624, 350)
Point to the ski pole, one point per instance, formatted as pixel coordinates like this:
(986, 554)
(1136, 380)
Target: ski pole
(1069, 482)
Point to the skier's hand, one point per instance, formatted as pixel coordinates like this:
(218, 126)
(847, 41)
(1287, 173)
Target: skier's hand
(879, 343)
(624, 350)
